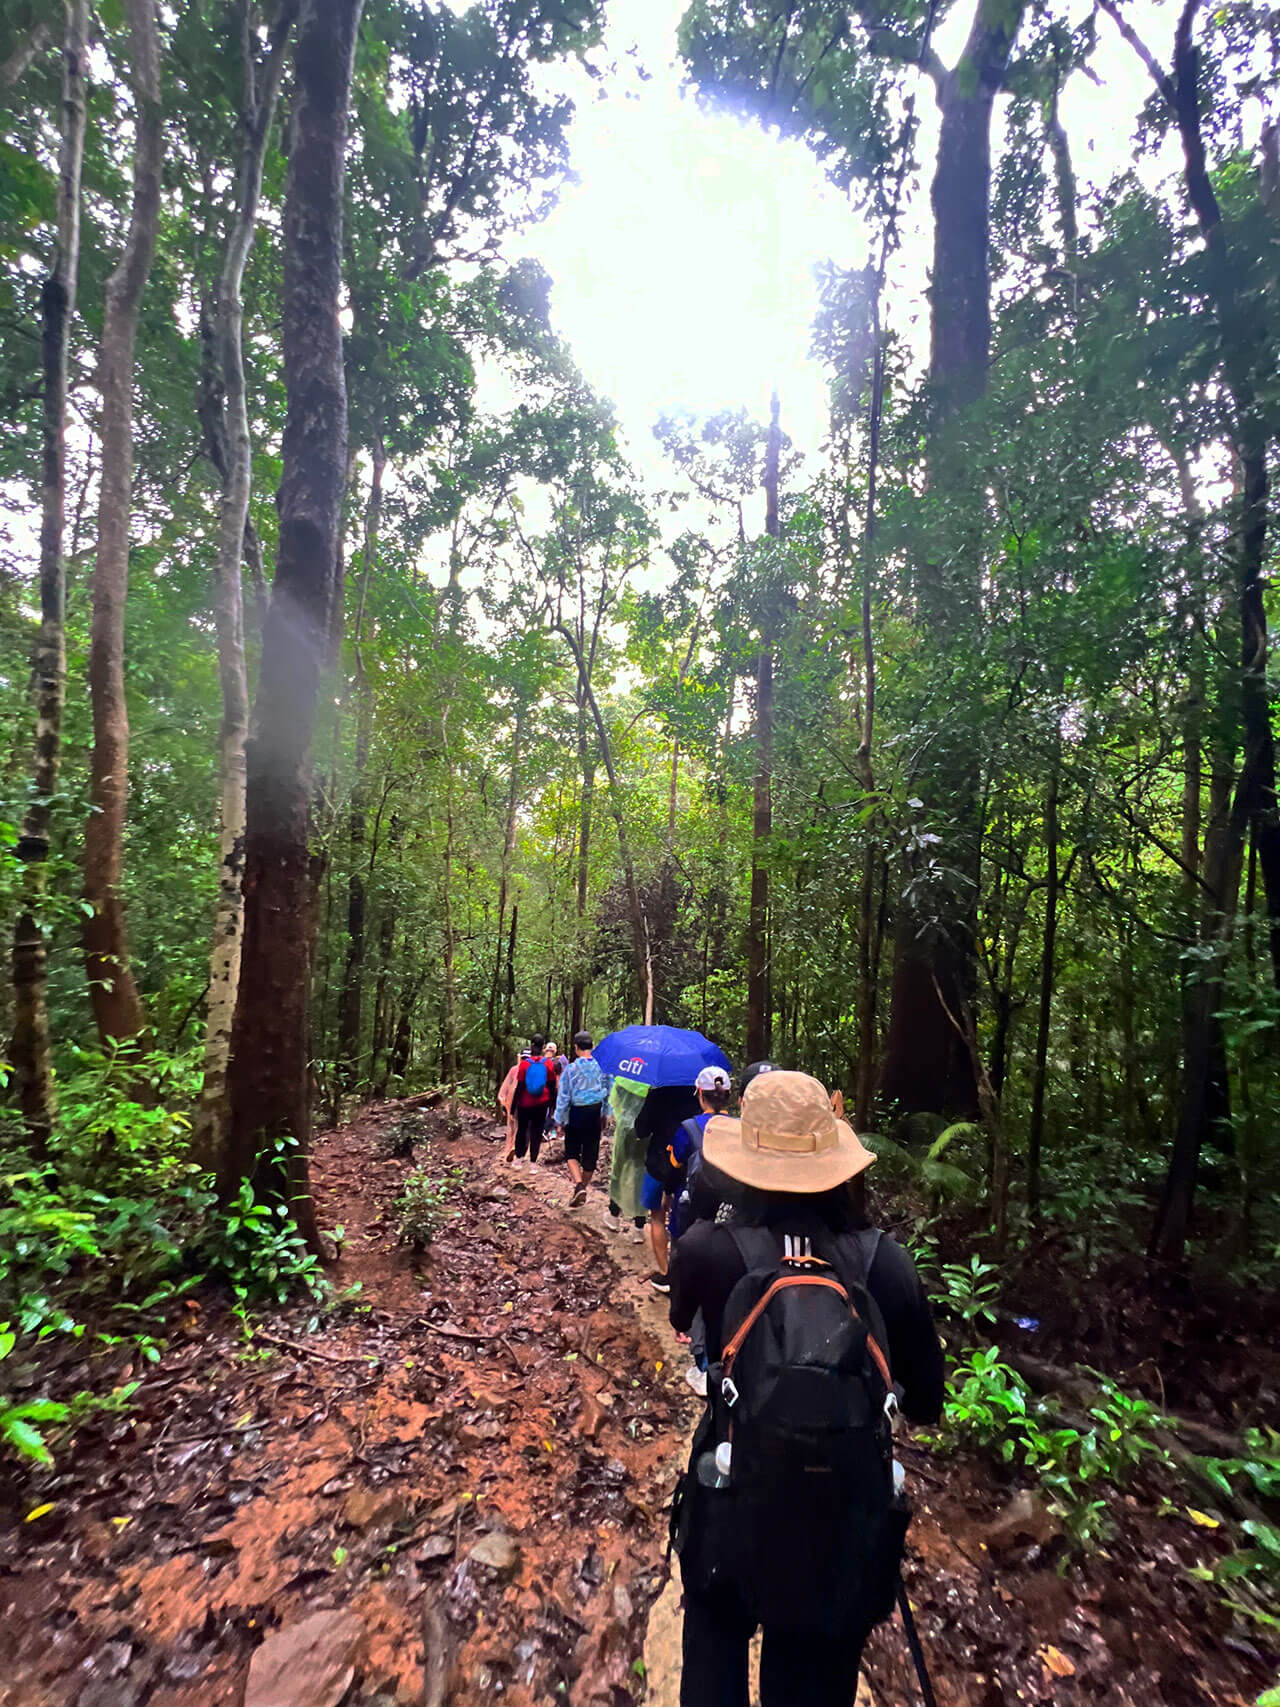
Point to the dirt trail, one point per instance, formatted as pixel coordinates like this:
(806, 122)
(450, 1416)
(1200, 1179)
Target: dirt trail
(473, 1455)
(251, 1486)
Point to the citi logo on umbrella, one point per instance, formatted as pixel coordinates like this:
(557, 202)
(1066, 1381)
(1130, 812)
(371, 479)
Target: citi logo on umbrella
(635, 1064)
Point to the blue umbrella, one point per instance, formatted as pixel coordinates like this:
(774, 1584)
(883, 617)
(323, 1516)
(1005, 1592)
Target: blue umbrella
(656, 1055)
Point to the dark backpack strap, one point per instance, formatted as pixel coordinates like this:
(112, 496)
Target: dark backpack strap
(757, 1247)
(851, 1255)
(868, 1243)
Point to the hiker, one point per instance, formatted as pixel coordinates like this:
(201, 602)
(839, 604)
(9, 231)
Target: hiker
(556, 1064)
(783, 1521)
(665, 1109)
(626, 1160)
(507, 1104)
(579, 1114)
(695, 1199)
(535, 1091)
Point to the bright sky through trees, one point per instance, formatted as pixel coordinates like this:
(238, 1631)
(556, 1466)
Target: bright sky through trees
(683, 257)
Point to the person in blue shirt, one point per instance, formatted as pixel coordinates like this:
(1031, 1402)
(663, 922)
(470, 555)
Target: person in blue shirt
(581, 1106)
(693, 1201)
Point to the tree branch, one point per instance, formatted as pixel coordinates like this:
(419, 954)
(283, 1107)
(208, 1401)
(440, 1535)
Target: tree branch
(23, 56)
(1159, 76)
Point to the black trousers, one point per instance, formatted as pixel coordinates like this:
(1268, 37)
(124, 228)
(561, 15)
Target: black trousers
(530, 1125)
(795, 1671)
(582, 1137)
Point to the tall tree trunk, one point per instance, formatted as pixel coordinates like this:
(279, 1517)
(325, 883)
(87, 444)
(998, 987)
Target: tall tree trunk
(29, 1050)
(926, 1063)
(497, 1037)
(117, 1007)
(641, 948)
(1254, 803)
(509, 1000)
(268, 1075)
(758, 1002)
(586, 803)
(402, 1045)
(234, 530)
(350, 1002)
(1040, 1070)
(450, 1037)
(381, 1048)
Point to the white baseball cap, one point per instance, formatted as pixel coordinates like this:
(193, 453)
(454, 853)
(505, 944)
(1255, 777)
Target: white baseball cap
(712, 1079)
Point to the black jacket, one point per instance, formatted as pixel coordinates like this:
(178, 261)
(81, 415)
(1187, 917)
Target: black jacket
(706, 1265)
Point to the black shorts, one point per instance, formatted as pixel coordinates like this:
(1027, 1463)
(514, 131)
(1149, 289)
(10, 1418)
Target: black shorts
(582, 1137)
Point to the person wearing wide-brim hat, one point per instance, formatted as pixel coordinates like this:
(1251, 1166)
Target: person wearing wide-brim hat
(788, 1163)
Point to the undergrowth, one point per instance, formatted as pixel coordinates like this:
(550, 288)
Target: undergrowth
(421, 1206)
(103, 1236)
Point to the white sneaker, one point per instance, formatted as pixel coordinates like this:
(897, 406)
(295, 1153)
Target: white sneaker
(637, 1235)
(697, 1379)
(612, 1222)
(517, 1162)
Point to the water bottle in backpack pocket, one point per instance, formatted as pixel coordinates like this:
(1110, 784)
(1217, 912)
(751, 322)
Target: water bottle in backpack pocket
(805, 1529)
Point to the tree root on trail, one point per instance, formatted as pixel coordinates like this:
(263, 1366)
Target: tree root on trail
(457, 1333)
(1076, 1384)
(1082, 1386)
(308, 1350)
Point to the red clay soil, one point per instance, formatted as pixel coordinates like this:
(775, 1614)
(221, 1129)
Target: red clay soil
(513, 1389)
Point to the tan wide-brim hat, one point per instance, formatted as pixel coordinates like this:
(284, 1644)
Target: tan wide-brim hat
(788, 1138)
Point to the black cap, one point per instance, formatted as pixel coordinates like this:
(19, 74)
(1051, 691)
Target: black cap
(754, 1071)
(583, 1040)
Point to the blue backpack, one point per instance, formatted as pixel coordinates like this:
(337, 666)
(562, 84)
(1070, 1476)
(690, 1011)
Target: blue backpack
(535, 1079)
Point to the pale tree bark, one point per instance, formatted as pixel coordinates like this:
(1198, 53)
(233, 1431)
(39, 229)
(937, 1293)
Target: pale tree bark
(117, 1006)
(758, 1002)
(586, 803)
(641, 948)
(499, 1039)
(24, 56)
(258, 108)
(29, 1049)
(449, 1041)
(268, 1077)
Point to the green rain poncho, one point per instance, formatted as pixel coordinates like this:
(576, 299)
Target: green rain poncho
(626, 1169)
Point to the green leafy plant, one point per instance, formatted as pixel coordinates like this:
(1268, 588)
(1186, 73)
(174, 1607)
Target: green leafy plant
(1249, 1576)
(420, 1207)
(969, 1290)
(989, 1406)
(20, 1424)
(256, 1246)
(1258, 1473)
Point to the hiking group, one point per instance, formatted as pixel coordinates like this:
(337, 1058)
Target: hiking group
(808, 1328)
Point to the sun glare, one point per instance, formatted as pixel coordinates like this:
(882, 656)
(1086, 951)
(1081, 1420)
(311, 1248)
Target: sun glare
(683, 256)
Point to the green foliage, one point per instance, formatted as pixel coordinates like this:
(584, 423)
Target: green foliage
(989, 1406)
(1249, 1575)
(1257, 1475)
(421, 1206)
(969, 1290)
(256, 1247)
(20, 1424)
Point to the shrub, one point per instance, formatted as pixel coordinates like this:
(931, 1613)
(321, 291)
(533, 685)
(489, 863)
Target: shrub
(420, 1208)
(257, 1248)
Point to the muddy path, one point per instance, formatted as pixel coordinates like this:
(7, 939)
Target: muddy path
(472, 1455)
(460, 1476)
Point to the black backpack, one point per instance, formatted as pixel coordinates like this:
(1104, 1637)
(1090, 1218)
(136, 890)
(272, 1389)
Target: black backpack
(804, 1530)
